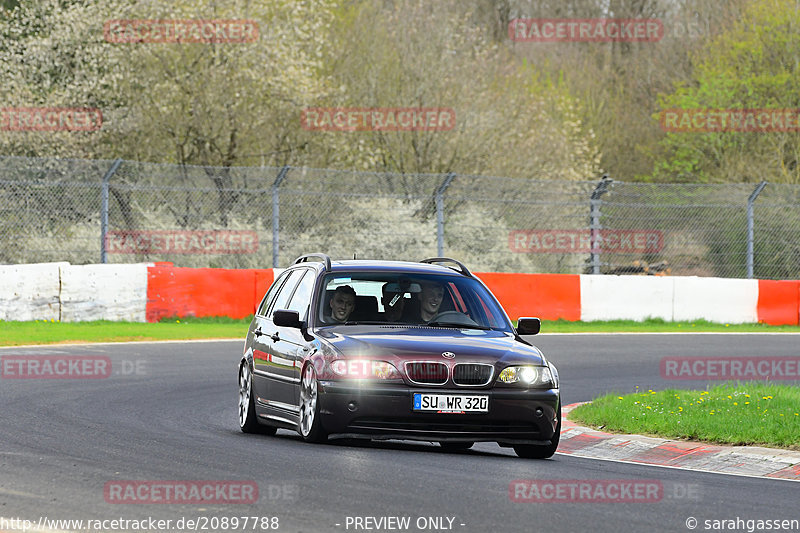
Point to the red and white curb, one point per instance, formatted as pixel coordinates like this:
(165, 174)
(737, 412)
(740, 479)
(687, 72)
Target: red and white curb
(754, 461)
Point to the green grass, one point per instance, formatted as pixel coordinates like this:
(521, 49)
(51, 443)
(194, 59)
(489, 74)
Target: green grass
(732, 413)
(47, 332)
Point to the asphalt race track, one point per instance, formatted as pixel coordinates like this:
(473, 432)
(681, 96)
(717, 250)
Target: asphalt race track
(168, 412)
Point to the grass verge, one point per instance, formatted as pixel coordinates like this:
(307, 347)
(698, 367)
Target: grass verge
(732, 413)
(50, 332)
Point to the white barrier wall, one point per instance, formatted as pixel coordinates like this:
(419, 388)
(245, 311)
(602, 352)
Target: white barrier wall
(676, 299)
(626, 297)
(30, 292)
(733, 301)
(104, 292)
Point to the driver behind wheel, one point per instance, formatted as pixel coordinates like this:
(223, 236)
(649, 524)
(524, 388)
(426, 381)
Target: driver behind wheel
(428, 302)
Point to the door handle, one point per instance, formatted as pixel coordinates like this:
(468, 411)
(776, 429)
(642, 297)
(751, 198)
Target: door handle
(275, 337)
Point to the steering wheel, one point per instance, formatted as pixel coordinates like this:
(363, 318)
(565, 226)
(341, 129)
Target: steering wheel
(455, 317)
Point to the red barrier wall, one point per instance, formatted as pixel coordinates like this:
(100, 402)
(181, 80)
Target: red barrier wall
(779, 302)
(547, 296)
(175, 291)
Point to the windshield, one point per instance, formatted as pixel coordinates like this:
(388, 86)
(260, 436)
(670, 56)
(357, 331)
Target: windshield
(399, 298)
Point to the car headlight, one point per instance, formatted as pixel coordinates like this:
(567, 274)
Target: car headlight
(531, 376)
(364, 369)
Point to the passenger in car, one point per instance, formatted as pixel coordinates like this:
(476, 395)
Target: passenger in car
(393, 304)
(343, 303)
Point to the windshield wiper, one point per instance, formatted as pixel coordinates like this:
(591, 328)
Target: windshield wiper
(455, 325)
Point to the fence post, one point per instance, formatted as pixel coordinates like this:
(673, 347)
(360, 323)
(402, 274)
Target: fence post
(750, 227)
(440, 213)
(104, 209)
(276, 214)
(594, 221)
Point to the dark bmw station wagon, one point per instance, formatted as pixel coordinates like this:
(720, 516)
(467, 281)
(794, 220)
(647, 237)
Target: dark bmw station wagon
(395, 350)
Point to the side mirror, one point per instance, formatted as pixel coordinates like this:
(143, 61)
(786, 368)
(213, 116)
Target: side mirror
(287, 319)
(528, 326)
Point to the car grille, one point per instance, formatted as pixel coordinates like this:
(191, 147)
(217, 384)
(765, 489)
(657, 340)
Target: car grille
(427, 373)
(472, 374)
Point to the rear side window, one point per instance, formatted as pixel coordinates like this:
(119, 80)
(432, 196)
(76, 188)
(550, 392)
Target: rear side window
(302, 295)
(286, 291)
(271, 293)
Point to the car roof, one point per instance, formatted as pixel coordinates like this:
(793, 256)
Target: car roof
(370, 265)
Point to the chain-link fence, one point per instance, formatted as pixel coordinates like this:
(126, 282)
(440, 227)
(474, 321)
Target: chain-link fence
(90, 211)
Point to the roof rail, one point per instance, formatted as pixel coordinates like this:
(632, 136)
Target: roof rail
(322, 257)
(461, 267)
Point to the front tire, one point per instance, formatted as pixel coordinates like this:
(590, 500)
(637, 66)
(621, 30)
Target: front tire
(248, 421)
(532, 451)
(310, 426)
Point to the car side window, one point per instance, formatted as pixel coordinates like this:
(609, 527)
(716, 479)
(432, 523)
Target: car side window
(271, 293)
(285, 292)
(302, 295)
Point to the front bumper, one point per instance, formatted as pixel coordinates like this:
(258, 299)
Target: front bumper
(384, 411)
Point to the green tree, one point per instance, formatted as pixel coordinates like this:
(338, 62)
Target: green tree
(210, 104)
(753, 65)
(511, 118)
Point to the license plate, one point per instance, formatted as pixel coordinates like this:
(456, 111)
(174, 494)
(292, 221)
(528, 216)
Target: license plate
(451, 403)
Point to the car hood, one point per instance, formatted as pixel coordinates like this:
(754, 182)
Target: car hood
(406, 343)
